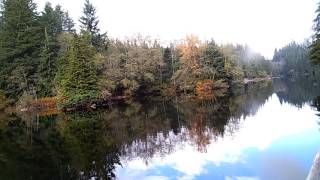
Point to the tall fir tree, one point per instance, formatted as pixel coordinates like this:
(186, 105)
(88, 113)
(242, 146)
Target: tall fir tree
(19, 46)
(79, 81)
(168, 64)
(315, 46)
(68, 24)
(212, 62)
(51, 21)
(89, 22)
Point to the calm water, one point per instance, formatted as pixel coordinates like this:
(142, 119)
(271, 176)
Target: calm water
(266, 131)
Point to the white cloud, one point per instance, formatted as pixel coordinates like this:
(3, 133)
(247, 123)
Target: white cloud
(241, 178)
(272, 122)
(155, 178)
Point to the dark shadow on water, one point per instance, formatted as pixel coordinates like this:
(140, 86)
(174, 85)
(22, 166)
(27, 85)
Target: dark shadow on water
(92, 144)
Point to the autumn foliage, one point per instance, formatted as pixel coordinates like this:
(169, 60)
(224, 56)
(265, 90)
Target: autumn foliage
(198, 131)
(204, 89)
(45, 103)
(191, 51)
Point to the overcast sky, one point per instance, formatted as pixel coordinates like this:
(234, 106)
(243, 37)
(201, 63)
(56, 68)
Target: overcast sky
(262, 24)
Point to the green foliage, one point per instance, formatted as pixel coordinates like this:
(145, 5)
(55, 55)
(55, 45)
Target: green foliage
(52, 25)
(3, 100)
(74, 146)
(29, 48)
(131, 66)
(43, 56)
(89, 22)
(315, 46)
(78, 81)
(19, 47)
(213, 63)
(293, 60)
(68, 24)
(244, 63)
(168, 67)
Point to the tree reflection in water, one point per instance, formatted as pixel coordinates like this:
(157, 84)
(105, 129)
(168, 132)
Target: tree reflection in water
(316, 104)
(92, 144)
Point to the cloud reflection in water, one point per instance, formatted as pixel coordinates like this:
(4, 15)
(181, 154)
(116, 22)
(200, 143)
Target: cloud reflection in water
(240, 151)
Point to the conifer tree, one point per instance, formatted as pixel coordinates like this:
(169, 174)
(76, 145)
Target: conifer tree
(168, 61)
(212, 62)
(79, 82)
(19, 46)
(89, 22)
(315, 46)
(68, 24)
(51, 22)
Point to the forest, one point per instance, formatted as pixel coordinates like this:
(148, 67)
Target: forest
(77, 103)
(46, 62)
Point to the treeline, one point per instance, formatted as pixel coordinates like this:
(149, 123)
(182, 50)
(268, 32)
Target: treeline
(293, 60)
(42, 55)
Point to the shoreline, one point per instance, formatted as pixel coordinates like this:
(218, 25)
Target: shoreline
(247, 80)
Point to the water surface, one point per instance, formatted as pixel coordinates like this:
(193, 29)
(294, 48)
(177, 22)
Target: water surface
(261, 131)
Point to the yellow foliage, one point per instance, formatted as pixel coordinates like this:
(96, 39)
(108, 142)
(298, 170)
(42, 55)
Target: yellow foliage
(190, 50)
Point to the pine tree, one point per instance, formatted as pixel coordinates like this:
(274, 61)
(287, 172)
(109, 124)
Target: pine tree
(51, 19)
(315, 46)
(19, 46)
(51, 22)
(168, 61)
(79, 82)
(68, 24)
(89, 22)
(212, 62)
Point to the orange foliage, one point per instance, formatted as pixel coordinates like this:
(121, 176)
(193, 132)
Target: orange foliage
(198, 131)
(62, 99)
(49, 112)
(190, 50)
(48, 102)
(204, 90)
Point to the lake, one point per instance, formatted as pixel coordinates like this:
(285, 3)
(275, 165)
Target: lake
(265, 131)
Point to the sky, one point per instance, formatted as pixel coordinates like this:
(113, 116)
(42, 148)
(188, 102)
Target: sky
(262, 24)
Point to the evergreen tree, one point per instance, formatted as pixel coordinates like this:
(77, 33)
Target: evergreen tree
(212, 62)
(1, 14)
(51, 19)
(168, 65)
(293, 59)
(89, 22)
(51, 22)
(79, 82)
(68, 24)
(315, 46)
(19, 46)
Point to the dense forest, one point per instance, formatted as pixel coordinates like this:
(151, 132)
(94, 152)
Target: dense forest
(161, 95)
(46, 61)
(294, 60)
(43, 57)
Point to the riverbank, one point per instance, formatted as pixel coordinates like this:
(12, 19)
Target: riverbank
(204, 90)
(247, 80)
